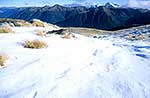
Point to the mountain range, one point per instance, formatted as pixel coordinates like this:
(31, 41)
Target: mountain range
(107, 17)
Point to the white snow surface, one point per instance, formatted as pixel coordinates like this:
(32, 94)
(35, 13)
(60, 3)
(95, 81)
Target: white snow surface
(74, 68)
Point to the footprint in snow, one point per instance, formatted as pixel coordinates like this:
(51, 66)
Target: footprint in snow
(95, 52)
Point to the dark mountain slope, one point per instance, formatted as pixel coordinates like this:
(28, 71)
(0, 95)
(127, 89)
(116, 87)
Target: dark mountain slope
(107, 18)
(49, 14)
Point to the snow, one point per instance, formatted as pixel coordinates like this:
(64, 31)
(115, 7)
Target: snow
(74, 68)
(109, 4)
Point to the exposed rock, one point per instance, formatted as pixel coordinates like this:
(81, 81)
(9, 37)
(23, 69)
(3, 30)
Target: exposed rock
(60, 31)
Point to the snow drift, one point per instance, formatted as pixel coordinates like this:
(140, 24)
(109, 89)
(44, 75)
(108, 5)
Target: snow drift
(74, 68)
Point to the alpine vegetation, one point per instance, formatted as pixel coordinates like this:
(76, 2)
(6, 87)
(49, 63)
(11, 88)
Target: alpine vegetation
(3, 58)
(34, 44)
(6, 29)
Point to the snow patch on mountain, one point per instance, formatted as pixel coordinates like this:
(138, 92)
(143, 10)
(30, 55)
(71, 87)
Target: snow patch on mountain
(111, 5)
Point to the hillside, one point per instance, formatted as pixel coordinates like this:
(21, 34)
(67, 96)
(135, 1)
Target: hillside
(101, 17)
(50, 65)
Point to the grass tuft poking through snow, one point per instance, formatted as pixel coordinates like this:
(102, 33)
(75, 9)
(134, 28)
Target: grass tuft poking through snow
(3, 58)
(6, 29)
(40, 33)
(68, 36)
(34, 44)
(38, 23)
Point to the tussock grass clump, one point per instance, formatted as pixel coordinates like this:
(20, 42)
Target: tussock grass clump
(8, 24)
(3, 59)
(38, 23)
(34, 44)
(6, 29)
(137, 37)
(14, 22)
(68, 36)
(40, 33)
(23, 24)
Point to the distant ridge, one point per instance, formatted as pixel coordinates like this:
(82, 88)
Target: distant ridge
(107, 17)
(72, 5)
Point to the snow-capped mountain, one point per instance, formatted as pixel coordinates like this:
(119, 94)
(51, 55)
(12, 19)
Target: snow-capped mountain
(106, 17)
(108, 4)
(72, 5)
(90, 4)
(86, 4)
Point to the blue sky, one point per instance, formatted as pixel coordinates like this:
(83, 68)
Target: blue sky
(139, 3)
(8, 3)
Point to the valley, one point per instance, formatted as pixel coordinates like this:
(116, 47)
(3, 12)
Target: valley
(105, 17)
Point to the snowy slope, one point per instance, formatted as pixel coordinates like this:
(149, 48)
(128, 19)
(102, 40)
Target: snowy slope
(74, 68)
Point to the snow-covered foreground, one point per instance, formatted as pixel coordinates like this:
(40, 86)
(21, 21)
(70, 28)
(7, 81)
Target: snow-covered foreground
(74, 68)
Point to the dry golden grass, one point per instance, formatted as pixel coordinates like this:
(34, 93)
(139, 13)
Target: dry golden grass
(34, 44)
(38, 23)
(142, 37)
(137, 37)
(3, 59)
(86, 31)
(40, 33)
(130, 36)
(6, 29)
(15, 22)
(68, 36)
(23, 24)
